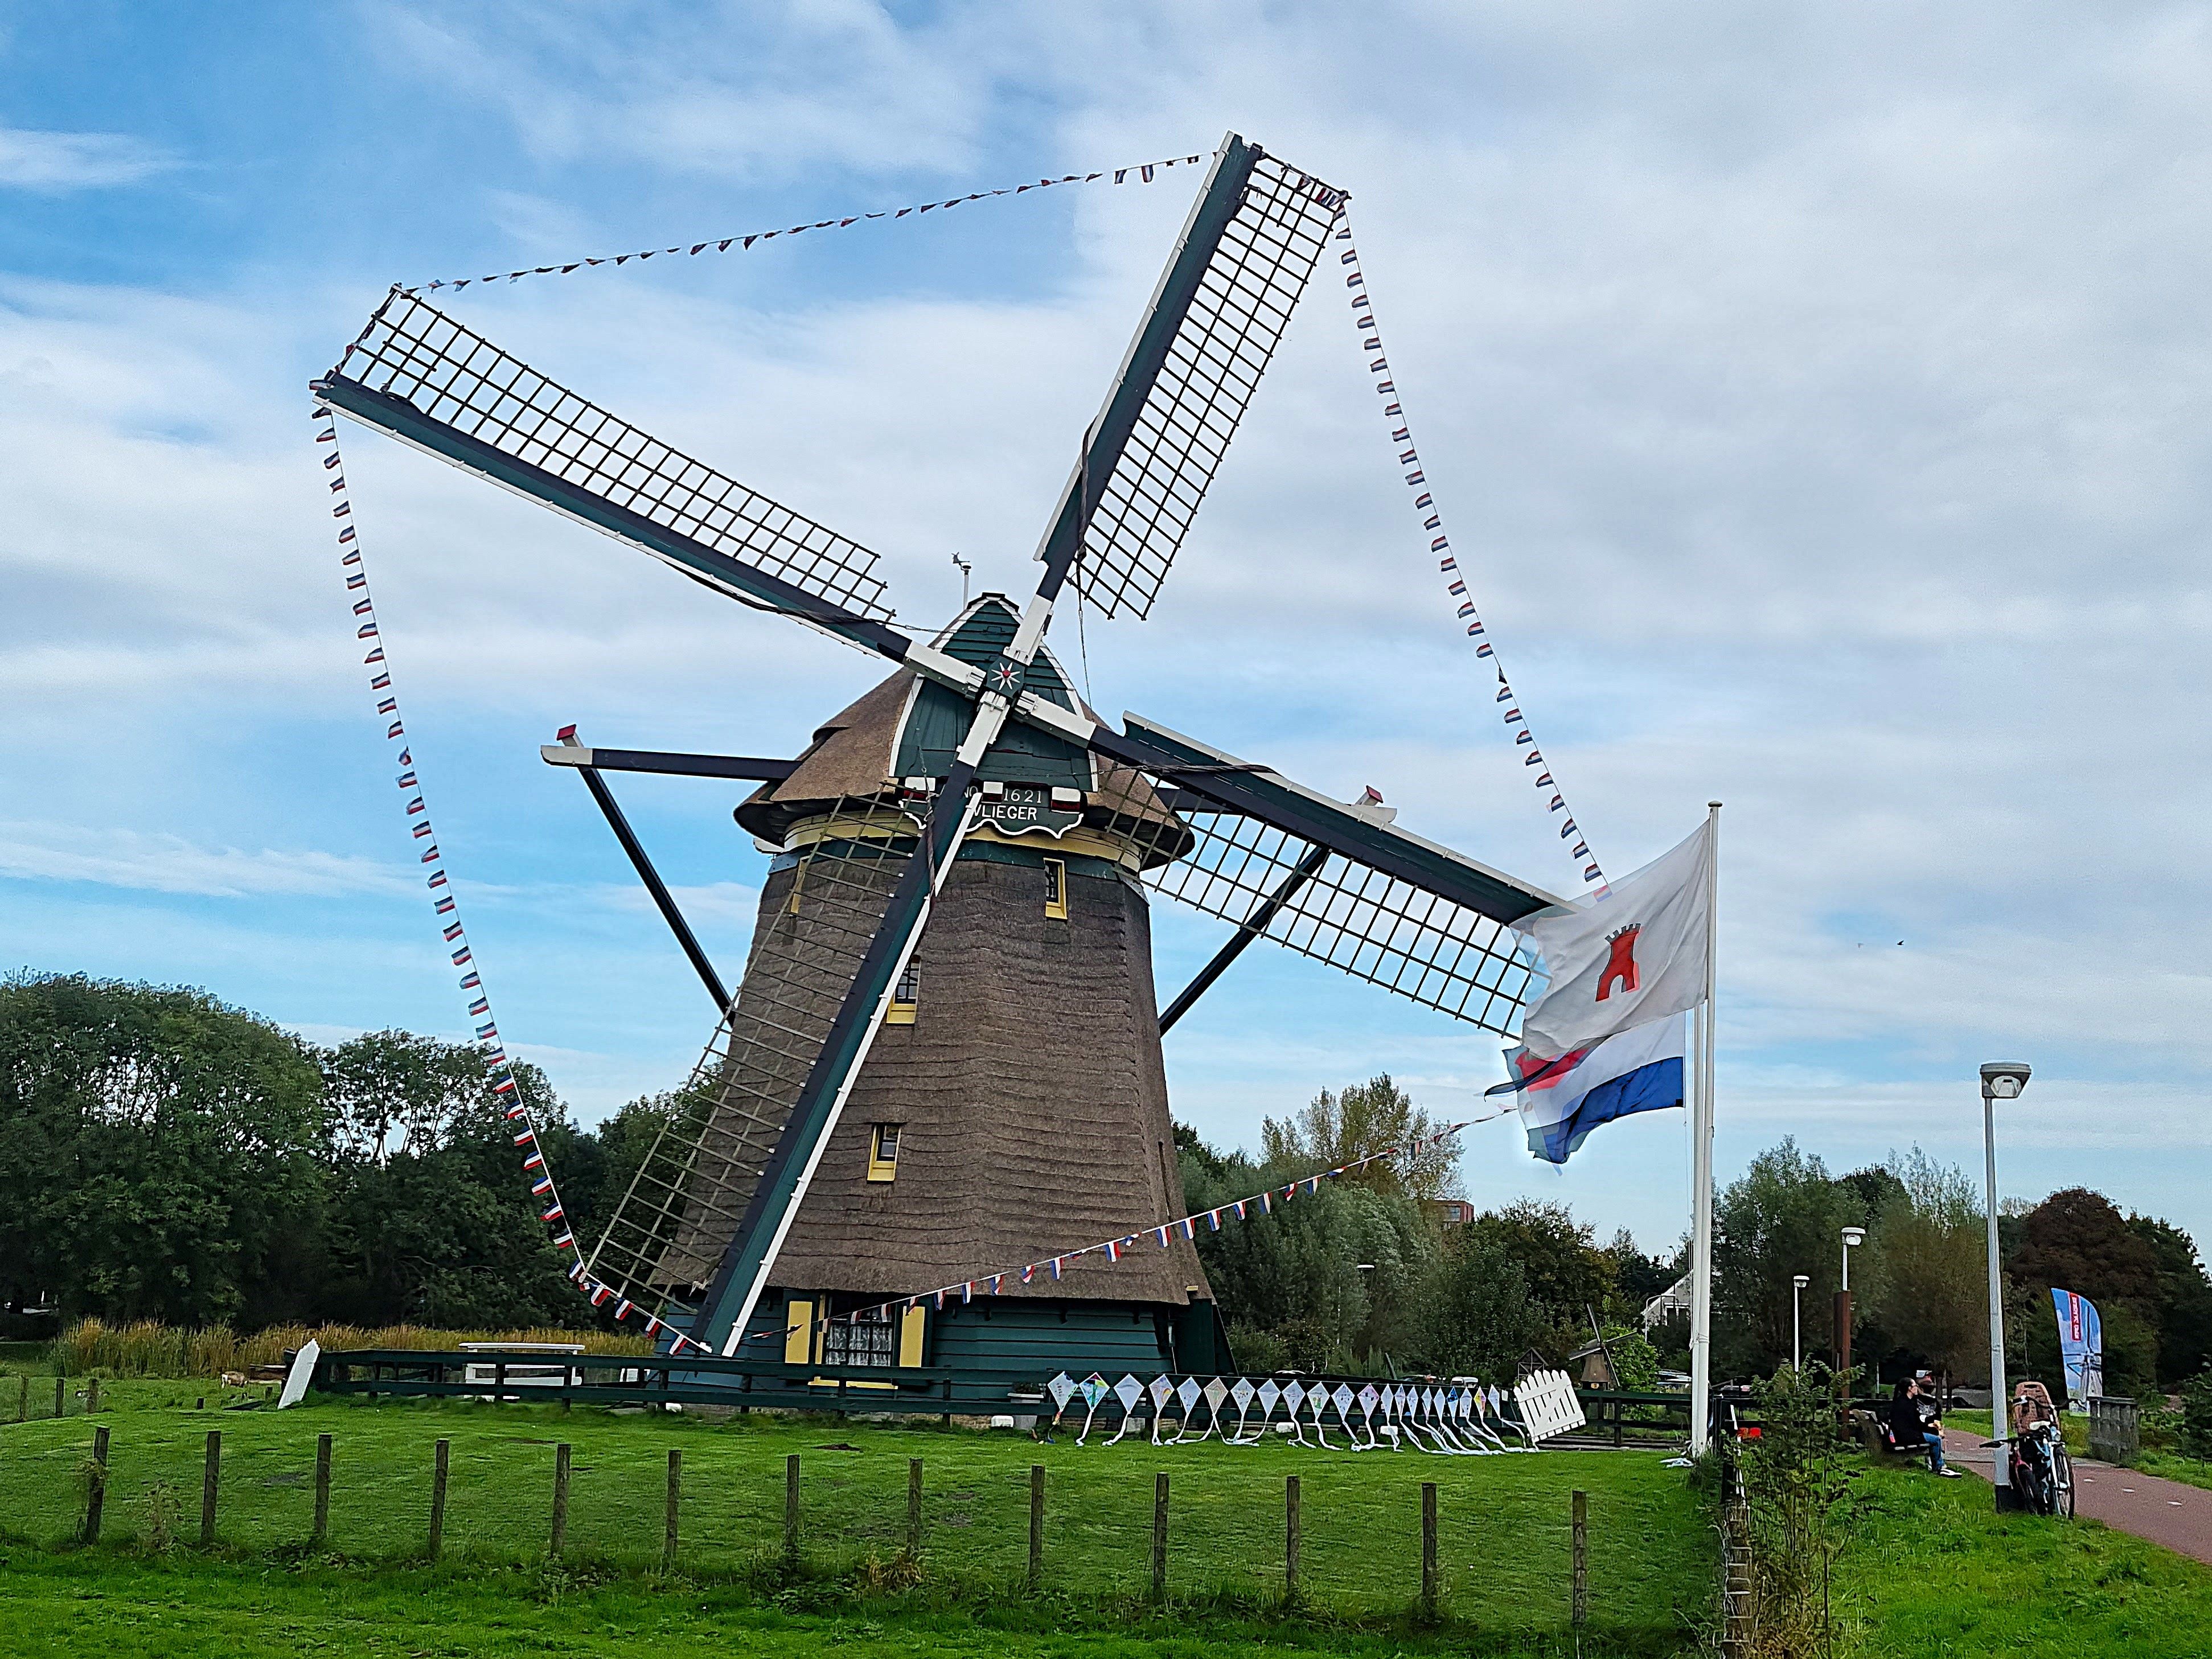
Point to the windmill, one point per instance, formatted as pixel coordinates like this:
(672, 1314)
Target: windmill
(943, 1056)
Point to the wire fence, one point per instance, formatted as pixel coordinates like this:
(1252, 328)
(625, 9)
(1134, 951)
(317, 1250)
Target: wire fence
(1513, 1548)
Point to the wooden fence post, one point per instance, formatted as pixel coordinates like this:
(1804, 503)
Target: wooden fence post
(61, 1400)
(914, 1506)
(438, 1499)
(210, 1482)
(1582, 1558)
(675, 1497)
(95, 1496)
(322, 1488)
(1159, 1537)
(1291, 1536)
(791, 1507)
(559, 1497)
(92, 1396)
(1428, 1549)
(23, 1397)
(1036, 1524)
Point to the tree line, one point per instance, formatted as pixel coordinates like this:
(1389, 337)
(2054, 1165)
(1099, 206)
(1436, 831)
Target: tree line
(165, 1156)
(1920, 1281)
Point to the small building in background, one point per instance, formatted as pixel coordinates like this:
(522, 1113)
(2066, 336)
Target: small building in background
(1672, 1302)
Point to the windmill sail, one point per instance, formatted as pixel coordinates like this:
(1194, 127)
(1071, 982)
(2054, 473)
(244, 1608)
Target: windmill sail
(428, 380)
(1244, 258)
(1334, 883)
(692, 1191)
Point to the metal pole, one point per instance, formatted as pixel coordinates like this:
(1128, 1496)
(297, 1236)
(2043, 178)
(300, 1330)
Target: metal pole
(1701, 1154)
(1852, 1236)
(2000, 1418)
(1796, 1329)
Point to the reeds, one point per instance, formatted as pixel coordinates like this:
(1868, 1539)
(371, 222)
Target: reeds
(148, 1348)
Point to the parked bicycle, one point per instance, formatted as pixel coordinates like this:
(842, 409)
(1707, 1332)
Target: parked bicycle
(2042, 1473)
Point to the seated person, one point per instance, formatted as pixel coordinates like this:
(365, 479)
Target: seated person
(1914, 1425)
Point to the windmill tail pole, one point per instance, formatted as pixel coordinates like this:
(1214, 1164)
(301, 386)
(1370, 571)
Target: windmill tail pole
(1252, 926)
(663, 900)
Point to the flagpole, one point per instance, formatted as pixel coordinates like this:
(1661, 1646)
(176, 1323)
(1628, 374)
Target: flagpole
(1701, 1156)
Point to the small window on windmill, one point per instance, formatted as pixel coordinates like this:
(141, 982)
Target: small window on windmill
(883, 1151)
(866, 1337)
(1055, 889)
(904, 995)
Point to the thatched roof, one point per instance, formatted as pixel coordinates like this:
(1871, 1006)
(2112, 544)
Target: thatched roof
(859, 753)
(1031, 1097)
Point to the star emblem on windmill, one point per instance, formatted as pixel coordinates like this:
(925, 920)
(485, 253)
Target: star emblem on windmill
(1005, 677)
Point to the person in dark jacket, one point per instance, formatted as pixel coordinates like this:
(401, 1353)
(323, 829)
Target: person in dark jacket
(1915, 1423)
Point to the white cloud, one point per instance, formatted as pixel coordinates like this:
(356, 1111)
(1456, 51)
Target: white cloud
(1820, 407)
(53, 163)
(731, 89)
(170, 864)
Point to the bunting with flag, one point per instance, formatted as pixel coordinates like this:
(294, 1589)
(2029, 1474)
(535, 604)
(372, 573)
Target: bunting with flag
(445, 907)
(1423, 493)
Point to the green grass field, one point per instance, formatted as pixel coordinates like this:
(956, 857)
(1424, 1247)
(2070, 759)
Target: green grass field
(1934, 1570)
(1504, 1534)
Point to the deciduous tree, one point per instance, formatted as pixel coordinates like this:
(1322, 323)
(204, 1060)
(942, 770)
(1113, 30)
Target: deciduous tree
(160, 1154)
(1334, 1129)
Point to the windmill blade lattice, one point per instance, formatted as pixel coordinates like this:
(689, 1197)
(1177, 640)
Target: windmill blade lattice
(1242, 302)
(690, 1194)
(1373, 925)
(1328, 904)
(454, 377)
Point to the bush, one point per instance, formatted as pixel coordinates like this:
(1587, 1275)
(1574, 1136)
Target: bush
(1258, 1352)
(2196, 1415)
(1797, 1479)
(1635, 1361)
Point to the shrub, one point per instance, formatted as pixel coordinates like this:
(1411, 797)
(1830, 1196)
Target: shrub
(1797, 1479)
(2196, 1415)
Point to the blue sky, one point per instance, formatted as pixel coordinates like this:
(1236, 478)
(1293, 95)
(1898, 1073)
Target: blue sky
(1819, 401)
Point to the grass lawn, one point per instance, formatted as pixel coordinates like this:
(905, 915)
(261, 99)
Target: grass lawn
(1504, 1533)
(1934, 1570)
(100, 1605)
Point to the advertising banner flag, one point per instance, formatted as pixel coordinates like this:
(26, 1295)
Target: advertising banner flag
(2081, 1345)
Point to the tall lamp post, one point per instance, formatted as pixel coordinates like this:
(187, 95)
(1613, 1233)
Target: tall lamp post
(1853, 1237)
(1797, 1284)
(2001, 1080)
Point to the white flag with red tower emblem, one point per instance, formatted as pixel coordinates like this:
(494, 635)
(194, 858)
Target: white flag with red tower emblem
(1624, 957)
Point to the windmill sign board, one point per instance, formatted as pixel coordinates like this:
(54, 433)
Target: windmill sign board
(942, 1056)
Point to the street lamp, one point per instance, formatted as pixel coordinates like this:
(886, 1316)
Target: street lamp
(2001, 1080)
(1798, 1284)
(1853, 1237)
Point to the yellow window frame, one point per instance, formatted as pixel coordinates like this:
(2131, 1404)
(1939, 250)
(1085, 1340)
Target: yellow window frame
(905, 996)
(1055, 889)
(883, 1166)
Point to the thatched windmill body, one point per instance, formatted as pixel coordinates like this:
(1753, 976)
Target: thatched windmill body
(943, 1060)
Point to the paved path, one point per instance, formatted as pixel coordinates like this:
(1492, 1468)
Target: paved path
(2164, 1511)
